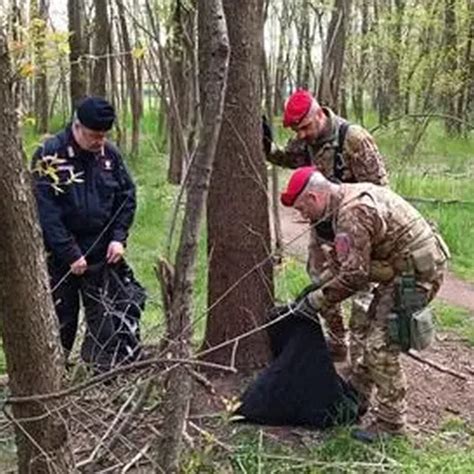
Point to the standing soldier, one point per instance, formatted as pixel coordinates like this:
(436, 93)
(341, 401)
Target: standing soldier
(379, 238)
(343, 153)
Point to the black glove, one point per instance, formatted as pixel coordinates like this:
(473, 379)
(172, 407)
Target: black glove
(267, 136)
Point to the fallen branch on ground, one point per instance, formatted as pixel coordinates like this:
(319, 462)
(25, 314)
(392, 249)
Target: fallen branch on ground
(441, 368)
(113, 373)
(415, 199)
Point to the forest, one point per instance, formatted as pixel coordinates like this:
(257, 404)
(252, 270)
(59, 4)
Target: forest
(210, 244)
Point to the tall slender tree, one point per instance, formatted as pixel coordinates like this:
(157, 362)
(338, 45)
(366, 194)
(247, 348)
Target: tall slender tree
(333, 60)
(100, 48)
(78, 81)
(132, 78)
(39, 26)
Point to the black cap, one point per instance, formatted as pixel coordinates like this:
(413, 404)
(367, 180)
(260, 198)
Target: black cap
(96, 113)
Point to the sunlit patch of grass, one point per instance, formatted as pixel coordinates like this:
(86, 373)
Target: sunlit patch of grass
(337, 452)
(454, 319)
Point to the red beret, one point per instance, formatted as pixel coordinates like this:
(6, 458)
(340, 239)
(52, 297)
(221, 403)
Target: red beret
(297, 182)
(296, 107)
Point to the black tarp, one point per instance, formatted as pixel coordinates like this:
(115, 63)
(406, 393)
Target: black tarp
(301, 386)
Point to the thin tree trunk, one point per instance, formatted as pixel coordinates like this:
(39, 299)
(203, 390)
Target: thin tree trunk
(101, 35)
(359, 79)
(179, 60)
(333, 60)
(40, 14)
(29, 325)
(215, 57)
(466, 97)
(279, 83)
(451, 66)
(131, 79)
(78, 81)
(274, 176)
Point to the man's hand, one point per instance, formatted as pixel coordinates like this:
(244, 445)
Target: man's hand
(267, 135)
(115, 252)
(79, 266)
(312, 303)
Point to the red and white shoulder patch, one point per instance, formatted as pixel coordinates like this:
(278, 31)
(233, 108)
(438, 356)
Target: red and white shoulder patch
(343, 246)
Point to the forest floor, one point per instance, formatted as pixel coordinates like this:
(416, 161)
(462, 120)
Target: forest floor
(440, 400)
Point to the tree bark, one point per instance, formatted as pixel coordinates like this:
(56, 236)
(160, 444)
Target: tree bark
(78, 82)
(240, 289)
(180, 54)
(361, 66)
(101, 37)
(29, 325)
(40, 14)
(132, 82)
(214, 52)
(466, 98)
(279, 87)
(333, 60)
(450, 65)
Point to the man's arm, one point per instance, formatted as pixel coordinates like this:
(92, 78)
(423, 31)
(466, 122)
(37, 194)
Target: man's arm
(294, 155)
(353, 245)
(57, 237)
(366, 162)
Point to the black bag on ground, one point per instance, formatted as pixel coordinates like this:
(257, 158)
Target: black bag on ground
(301, 386)
(113, 322)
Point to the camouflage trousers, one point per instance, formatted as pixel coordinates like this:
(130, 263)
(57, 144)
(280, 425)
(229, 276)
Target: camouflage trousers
(318, 260)
(379, 365)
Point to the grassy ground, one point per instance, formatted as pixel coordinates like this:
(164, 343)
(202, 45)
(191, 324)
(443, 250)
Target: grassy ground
(338, 453)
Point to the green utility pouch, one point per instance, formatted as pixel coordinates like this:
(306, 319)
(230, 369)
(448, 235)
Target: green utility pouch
(409, 326)
(393, 328)
(422, 329)
(399, 331)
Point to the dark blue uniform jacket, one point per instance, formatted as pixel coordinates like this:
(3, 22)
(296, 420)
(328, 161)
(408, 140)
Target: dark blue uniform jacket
(86, 203)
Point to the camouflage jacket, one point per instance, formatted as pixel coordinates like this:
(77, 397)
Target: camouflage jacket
(361, 159)
(376, 228)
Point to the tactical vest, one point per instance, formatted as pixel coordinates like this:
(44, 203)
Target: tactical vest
(406, 238)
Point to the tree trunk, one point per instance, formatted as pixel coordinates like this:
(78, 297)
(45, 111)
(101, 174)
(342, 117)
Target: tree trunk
(132, 82)
(29, 325)
(240, 289)
(466, 97)
(214, 52)
(40, 15)
(361, 67)
(101, 40)
(181, 75)
(275, 191)
(279, 86)
(450, 65)
(78, 82)
(333, 60)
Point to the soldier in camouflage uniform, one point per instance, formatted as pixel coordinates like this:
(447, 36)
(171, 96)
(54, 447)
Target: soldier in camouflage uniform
(342, 154)
(378, 237)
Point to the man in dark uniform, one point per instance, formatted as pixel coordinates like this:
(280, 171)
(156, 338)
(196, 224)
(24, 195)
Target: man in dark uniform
(86, 204)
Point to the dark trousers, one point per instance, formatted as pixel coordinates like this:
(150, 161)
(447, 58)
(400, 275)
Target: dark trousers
(67, 294)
